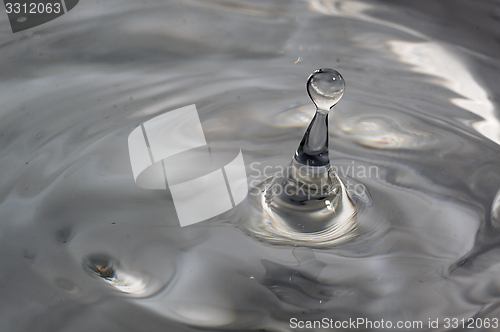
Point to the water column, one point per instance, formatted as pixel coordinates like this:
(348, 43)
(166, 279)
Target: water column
(308, 197)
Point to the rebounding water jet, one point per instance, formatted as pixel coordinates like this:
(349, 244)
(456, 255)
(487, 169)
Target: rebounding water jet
(308, 202)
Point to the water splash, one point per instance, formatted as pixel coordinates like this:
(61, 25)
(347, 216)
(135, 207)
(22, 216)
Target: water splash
(308, 203)
(325, 88)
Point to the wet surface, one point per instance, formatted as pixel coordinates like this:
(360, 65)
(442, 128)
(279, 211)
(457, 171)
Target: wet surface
(84, 248)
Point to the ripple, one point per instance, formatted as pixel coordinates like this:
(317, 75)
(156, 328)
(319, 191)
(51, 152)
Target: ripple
(384, 132)
(266, 225)
(421, 103)
(495, 211)
(110, 271)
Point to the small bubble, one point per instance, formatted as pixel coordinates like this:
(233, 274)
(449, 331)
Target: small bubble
(102, 265)
(21, 19)
(110, 271)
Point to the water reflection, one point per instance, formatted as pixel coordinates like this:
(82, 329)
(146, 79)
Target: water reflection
(448, 70)
(420, 106)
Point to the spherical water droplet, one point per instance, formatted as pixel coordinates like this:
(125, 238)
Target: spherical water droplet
(325, 87)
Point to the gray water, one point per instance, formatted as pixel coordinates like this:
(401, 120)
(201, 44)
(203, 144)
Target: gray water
(83, 248)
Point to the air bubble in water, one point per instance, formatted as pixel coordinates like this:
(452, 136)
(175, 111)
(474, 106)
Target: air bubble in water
(107, 268)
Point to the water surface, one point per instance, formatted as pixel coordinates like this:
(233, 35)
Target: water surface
(84, 248)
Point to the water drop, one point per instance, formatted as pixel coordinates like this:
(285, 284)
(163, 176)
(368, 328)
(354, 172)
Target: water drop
(325, 87)
(308, 203)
